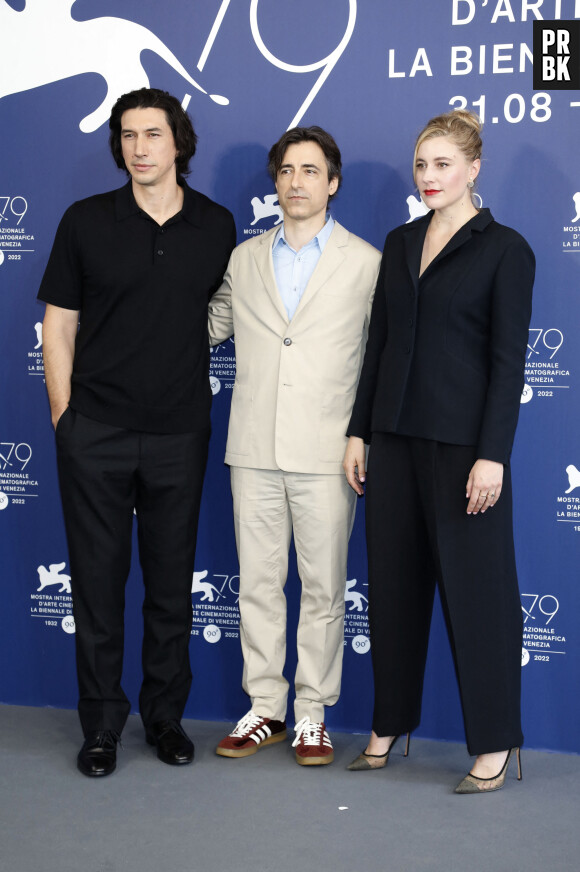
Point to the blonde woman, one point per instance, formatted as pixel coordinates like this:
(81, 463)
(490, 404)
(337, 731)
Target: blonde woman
(438, 400)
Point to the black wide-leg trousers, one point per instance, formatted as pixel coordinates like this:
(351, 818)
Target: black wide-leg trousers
(105, 473)
(419, 535)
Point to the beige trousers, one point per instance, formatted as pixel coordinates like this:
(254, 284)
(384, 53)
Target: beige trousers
(268, 506)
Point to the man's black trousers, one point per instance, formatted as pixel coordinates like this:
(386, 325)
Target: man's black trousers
(106, 473)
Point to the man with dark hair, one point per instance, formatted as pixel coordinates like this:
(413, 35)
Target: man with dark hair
(313, 134)
(184, 136)
(127, 371)
(298, 298)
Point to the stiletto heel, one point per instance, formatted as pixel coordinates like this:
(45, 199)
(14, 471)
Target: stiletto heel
(365, 762)
(474, 784)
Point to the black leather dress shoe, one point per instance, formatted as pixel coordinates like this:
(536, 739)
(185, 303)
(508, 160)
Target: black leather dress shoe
(98, 756)
(172, 742)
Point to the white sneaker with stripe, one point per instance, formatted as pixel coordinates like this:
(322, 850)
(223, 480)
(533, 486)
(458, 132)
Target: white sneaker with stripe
(312, 743)
(250, 733)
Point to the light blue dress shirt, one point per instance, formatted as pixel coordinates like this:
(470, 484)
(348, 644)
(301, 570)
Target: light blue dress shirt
(294, 268)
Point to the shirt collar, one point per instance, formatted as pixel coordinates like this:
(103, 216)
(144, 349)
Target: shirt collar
(191, 209)
(321, 237)
(126, 205)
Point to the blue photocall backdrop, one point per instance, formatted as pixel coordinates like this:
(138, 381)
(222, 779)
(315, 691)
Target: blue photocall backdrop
(371, 73)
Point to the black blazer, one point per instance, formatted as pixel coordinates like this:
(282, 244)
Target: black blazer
(446, 352)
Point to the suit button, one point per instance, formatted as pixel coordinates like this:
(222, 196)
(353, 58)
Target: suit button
(287, 341)
(407, 349)
(410, 322)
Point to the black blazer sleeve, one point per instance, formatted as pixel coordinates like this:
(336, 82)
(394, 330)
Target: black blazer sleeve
(511, 309)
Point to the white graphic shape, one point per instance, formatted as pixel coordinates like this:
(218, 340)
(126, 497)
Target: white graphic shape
(327, 64)
(52, 576)
(576, 200)
(527, 394)
(1, 257)
(215, 384)
(4, 501)
(573, 478)
(353, 597)
(38, 328)
(212, 634)
(44, 44)
(417, 208)
(205, 588)
(68, 624)
(525, 657)
(212, 34)
(361, 644)
(268, 209)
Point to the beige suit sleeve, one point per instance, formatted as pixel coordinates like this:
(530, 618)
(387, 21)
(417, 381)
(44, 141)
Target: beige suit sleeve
(370, 303)
(220, 314)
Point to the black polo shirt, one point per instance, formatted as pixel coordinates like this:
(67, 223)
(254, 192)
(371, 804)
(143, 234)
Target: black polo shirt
(142, 351)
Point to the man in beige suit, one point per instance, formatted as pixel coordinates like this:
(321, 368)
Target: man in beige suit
(298, 299)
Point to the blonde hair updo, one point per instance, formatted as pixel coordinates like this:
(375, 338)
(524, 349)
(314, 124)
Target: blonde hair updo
(463, 127)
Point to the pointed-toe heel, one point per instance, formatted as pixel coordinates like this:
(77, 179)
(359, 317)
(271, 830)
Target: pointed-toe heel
(474, 784)
(366, 762)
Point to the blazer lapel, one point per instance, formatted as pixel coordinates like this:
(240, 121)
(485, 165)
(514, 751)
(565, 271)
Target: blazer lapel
(329, 261)
(414, 239)
(265, 264)
(477, 223)
(462, 235)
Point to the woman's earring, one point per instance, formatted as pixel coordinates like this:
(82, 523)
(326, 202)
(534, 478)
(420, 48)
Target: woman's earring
(470, 183)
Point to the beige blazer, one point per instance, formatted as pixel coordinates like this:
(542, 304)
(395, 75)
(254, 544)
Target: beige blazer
(295, 380)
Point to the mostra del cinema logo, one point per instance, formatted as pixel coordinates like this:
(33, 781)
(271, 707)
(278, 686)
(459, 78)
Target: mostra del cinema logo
(51, 601)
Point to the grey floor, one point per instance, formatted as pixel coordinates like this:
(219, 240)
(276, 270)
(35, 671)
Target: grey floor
(267, 813)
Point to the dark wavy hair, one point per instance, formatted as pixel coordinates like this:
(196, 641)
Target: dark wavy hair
(315, 134)
(184, 135)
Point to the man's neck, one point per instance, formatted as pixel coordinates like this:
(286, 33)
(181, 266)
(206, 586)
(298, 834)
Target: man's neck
(300, 233)
(161, 202)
